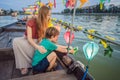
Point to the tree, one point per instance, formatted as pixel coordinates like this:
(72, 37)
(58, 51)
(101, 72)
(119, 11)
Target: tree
(11, 11)
(66, 10)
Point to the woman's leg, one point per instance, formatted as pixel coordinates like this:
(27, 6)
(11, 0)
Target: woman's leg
(23, 52)
(52, 59)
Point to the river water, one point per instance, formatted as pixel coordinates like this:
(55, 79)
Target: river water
(101, 67)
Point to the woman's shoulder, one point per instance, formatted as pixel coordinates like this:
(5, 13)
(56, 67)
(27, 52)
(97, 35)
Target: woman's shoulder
(31, 21)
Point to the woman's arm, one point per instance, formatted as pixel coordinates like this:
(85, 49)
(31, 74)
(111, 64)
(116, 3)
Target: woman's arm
(31, 41)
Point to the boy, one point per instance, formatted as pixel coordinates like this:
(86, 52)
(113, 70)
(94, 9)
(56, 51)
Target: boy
(45, 61)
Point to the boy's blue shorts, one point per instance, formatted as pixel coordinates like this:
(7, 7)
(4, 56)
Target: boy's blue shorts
(41, 66)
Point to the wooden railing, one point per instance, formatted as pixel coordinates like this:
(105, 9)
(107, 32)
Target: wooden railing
(11, 30)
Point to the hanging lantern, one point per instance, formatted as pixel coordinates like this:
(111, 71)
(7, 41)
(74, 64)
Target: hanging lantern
(70, 4)
(90, 50)
(67, 37)
(82, 2)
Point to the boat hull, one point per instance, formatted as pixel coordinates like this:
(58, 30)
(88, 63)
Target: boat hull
(7, 62)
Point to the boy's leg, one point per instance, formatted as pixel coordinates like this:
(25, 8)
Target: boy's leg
(52, 59)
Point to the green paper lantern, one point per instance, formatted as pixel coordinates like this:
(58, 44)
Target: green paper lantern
(90, 49)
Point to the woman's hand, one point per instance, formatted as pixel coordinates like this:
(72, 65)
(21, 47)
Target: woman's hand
(41, 49)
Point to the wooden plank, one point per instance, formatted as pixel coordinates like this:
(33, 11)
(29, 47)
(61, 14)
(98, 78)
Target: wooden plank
(6, 69)
(6, 56)
(1, 30)
(14, 30)
(6, 49)
(55, 75)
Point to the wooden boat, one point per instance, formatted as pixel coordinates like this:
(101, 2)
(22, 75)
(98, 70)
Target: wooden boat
(71, 71)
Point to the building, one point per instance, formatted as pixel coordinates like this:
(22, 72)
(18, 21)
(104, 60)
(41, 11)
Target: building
(1, 11)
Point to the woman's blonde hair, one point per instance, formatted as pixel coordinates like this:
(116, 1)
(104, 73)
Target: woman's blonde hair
(42, 21)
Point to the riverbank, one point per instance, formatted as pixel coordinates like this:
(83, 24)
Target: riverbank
(84, 14)
(91, 14)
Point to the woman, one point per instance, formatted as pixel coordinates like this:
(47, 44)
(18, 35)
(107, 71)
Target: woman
(24, 46)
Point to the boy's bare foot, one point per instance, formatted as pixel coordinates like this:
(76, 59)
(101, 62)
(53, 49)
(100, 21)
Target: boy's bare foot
(55, 65)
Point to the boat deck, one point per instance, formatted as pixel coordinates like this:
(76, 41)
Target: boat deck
(55, 75)
(8, 71)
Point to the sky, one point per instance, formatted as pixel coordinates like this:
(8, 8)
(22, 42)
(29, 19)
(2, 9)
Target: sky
(19, 4)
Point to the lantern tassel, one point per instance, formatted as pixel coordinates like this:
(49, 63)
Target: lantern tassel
(54, 3)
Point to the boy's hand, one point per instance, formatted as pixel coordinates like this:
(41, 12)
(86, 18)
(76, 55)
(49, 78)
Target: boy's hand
(71, 51)
(74, 50)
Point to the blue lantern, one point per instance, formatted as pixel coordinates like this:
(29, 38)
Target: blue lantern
(90, 49)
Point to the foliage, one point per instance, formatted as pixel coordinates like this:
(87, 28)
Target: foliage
(96, 9)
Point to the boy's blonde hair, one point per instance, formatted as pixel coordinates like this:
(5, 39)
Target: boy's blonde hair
(51, 31)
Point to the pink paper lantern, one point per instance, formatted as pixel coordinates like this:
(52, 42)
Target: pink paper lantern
(67, 37)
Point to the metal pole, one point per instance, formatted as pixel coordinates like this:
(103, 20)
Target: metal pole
(84, 76)
(72, 25)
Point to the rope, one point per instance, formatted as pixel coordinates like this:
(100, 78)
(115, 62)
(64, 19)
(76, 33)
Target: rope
(84, 31)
